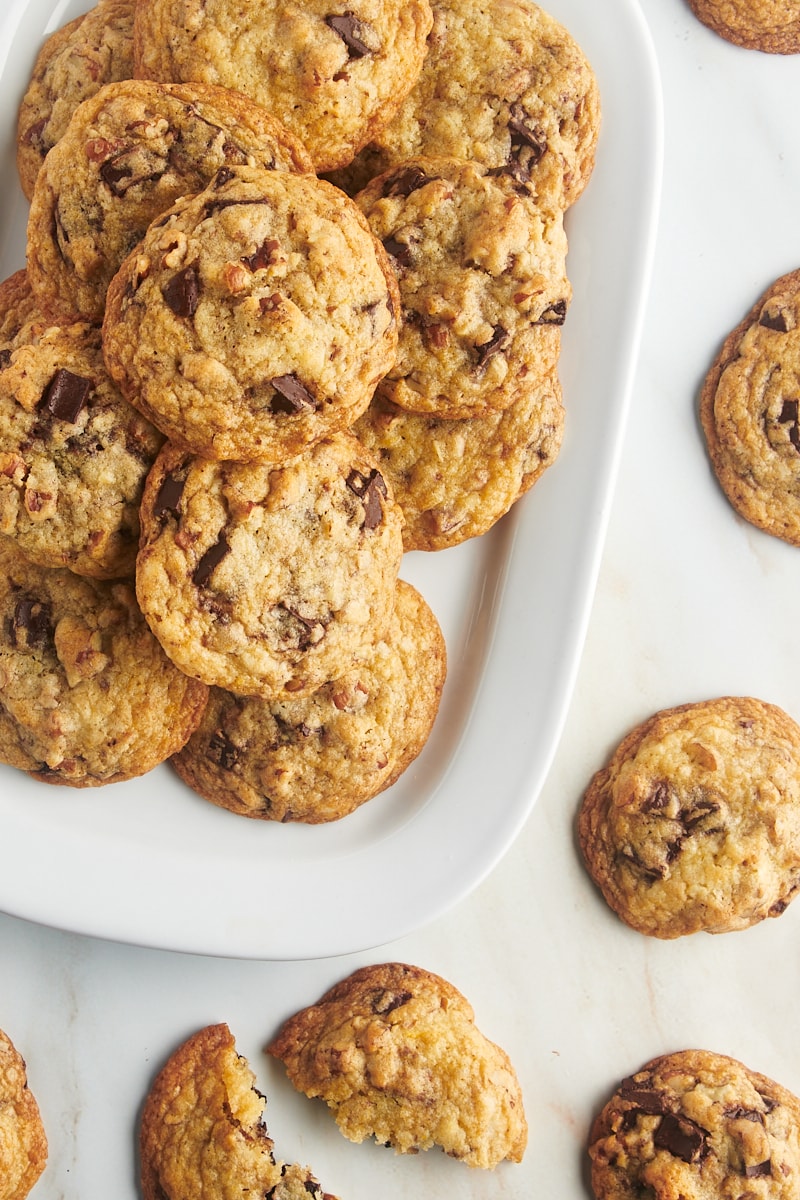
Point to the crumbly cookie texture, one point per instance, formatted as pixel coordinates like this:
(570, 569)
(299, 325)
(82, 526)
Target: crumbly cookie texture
(319, 758)
(128, 153)
(700, 1126)
(255, 318)
(74, 454)
(23, 1142)
(483, 284)
(87, 696)
(395, 1053)
(334, 74)
(772, 26)
(750, 412)
(202, 1134)
(268, 580)
(694, 824)
(74, 62)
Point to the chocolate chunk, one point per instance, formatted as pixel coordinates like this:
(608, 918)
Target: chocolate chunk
(758, 1170)
(292, 396)
(646, 1100)
(210, 561)
(737, 1112)
(527, 147)
(658, 797)
(789, 416)
(399, 252)
(385, 1001)
(555, 314)
(681, 1137)
(406, 181)
(351, 31)
(312, 1187)
(182, 292)
(168, 497)
(264, 256)
(222, 751)
(303, 632)
(31, 624)
(118, 175)
(5, 358)
(369, 488)
(65, 395)
(774, 320)
(496, 343)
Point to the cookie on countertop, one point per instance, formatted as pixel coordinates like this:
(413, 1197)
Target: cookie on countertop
(23, 1141)
(696, 1125)
(255, 317)
(202, 1134)
(334, 74)
(268, 580)
(694, 824)
(128, 153)
(74, 454)
(87, 696)
(483, 285)
(395, 1053)
(319, 758)
(750, 412)
(772, 26)
(74, 62)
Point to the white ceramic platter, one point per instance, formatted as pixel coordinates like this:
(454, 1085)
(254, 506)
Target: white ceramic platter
(148, 862)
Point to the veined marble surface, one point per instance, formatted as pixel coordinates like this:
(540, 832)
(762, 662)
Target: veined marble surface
(691, 602)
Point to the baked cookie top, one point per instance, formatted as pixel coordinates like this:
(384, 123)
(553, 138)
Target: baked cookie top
(87, 696)
(319, 758)
(73, 64)
(750, 412)
(267, 580)
(694, 824)
(454, 479)
(202, 1134)
(482, 278)
(255, 317)
(334, 74)
(23, 1142)
(128, 153)
(73, 453)
(698, 1125)
(769, 25)
(394, 1052)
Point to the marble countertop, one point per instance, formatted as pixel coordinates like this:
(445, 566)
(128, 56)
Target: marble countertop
(690, 603)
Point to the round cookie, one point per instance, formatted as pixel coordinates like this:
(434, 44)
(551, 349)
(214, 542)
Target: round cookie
(772, 26)
(483, 286)
(74, 454)
(254, 318)
(74, 62)
(395, 1053)
(750, 412)
(87, 696)
(454, 480)
(334, 74)
(268, 580)
(128, 153)
(23, 1142)
(694, 824)
(696, 1125)
(319, 758)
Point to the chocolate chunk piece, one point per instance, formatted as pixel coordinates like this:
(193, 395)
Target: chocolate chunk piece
(210, 561)
(386, 1001)
(32, 623)
(292, 396)
(168, 498)
(351, 31)
(495, 345)
(399, 252)
(222, 751)
(555, 314)
(406, 181)
(681, 1137)
(775, 319)
(65, 395)
(789, 416)
(182, 292)
(369, 488)
(264, 256)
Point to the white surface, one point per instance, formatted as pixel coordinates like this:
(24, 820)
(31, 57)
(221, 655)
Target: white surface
(690, 603)
(133, 861)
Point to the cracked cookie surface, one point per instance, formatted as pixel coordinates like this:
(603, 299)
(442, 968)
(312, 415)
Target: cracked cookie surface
(772, 26)
(23, 1142)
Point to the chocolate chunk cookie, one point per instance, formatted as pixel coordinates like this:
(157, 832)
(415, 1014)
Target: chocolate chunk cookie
(319, 758)
(23, 1142)
(395, 1053)
(73, 453)
(694, 824)
(268, 580)
(333, 73)
(87, 696)
(769, 25)
(127, 154)
(750, 412)
(255, 317)
(696, 1125)
(202, 1134)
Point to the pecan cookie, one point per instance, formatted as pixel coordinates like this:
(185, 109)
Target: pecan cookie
(268, 580)
(696, 1125)
(202, 1134)
(483, 283)
(73, 64)
(750, 412)
(87, 696)
(334, 74)
(319, 758)
(694, 824)
(128, 153)
(255, 317)
(23, 1142)
(395, 1053)
(74, 454)
(772, 26)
